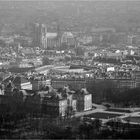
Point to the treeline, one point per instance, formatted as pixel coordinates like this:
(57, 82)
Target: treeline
(125, 98)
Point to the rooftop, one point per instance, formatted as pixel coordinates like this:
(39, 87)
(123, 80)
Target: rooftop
(20, 80)
(51, 35)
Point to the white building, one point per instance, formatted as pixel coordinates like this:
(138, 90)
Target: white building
(68, 38)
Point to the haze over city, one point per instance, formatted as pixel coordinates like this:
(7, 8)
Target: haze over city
(69, 69)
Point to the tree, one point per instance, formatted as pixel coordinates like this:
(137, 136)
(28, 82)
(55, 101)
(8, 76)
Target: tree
(85, 129)
(69, 111)
(97, 124)
(68, 132)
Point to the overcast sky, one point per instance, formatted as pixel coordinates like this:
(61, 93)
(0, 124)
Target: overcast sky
(70, 0)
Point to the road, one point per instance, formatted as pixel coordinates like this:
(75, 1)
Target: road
(98, 108)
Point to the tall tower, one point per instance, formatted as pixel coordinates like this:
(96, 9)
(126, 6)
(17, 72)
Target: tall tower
(58, 35)
(39, 35)
(43, 29)
(43, 38)
(36, 34)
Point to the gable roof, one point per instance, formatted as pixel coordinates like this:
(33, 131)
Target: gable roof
(7, 79)
(20, 80)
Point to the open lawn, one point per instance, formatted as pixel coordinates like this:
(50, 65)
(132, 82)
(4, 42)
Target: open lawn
(133, 119)
(119, 110)
(100, 115)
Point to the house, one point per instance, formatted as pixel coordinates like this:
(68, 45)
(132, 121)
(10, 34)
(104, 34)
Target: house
(22, 83)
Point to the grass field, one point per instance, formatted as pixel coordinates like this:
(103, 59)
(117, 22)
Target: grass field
(119, 110)
(133, 119)
(100, 115)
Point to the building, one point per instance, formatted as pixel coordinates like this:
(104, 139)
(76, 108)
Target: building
(85, 39)
(36, 34)
(132, 39)
(39, 33)
(84, 100)
(137, 78)
(68, 39)
(102, 30)
(74, 84)
(111, 55)
(126, 83)
(54, 106)
(39, 84)
(45, 39)
(60, 103)
(71, 101)
(9, 87)
(51, 40)
(21, 82)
